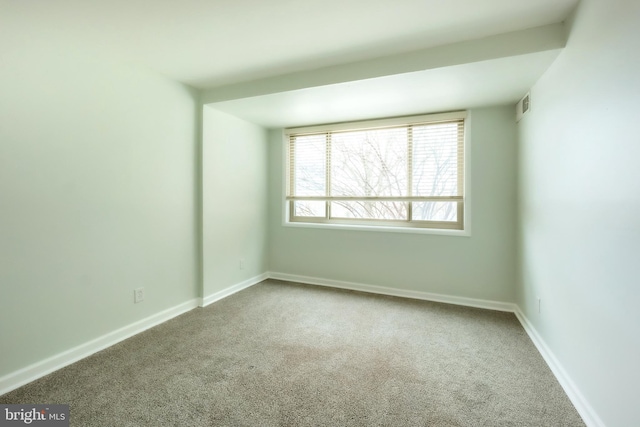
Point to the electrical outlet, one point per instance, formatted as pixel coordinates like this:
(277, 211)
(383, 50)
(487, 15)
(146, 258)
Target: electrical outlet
(138, 295)
(241, 263)
(539, 304)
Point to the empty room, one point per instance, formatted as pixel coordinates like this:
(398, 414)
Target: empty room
(302, 213)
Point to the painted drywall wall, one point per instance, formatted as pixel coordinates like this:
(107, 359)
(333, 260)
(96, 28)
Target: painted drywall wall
(234, 182)
(97, 195)
(579, 208)
(480, 266)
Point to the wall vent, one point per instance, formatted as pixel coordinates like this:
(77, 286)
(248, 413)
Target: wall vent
(523, 106)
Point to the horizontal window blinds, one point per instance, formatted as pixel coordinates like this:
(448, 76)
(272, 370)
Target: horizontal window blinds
(414, 162)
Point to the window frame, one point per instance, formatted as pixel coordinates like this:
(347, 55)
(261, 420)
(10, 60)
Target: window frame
(402, 226)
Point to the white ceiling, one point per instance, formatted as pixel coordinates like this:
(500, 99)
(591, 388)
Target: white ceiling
(212, 44)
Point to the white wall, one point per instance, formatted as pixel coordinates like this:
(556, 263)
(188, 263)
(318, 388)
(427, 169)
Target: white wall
(481, 266)
(580, 208)
(234, 170)
(97, 195)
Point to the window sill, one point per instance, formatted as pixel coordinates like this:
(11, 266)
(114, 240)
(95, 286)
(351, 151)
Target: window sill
(370, 228)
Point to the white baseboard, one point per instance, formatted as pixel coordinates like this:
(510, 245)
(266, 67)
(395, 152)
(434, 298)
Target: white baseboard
(427, 296)
(586, 411)
(40, 369)
(210, 299)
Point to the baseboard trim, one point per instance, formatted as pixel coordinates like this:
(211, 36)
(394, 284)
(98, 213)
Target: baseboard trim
(586, 411)
(210, 299)
(40, 369)
(426, 296)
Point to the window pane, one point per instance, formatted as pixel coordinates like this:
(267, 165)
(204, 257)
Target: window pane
(309, 158)
(435, 211)
(310, 208)
(369, 210)
(369, 163)
(435, 160)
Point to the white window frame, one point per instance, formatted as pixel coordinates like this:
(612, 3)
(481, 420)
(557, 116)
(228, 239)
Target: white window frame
(374, 225)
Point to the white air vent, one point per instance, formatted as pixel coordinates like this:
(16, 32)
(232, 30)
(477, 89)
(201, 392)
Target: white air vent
(523, 106)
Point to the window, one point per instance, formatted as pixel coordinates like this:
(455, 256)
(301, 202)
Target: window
(406, 172)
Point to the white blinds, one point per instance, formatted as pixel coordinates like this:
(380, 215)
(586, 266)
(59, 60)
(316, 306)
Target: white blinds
(308, 167)
(438, 159)
(418, 161)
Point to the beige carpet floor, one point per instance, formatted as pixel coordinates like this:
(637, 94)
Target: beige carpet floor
(284, 354)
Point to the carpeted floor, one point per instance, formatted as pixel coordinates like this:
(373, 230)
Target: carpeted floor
(283, 354)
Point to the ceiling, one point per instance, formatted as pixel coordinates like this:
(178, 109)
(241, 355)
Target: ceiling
(213, 44)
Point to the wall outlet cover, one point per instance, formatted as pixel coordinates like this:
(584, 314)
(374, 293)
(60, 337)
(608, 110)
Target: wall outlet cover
(138, 295)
